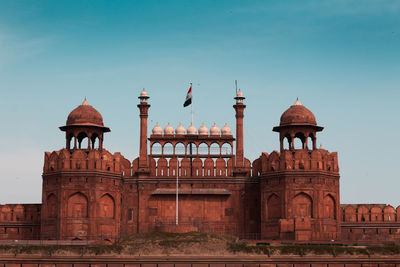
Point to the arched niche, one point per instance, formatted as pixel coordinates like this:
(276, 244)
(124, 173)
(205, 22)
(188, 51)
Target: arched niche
(329, 207)
(302, 205)
(52, 206)
(273, 207)
(107, 207)
(77, 206)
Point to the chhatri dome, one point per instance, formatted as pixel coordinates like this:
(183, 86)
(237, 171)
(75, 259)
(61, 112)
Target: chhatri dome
(157, 130)
(203, 130)
(180, 130)
(168, 130)
(214, 130)
(85, 115)
(297, 114)
(226, 130)
(191, 130)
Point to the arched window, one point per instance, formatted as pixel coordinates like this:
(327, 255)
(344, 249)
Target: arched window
(180, 149)
(226, 149)
(93, 139)
(299, 141)
(168, 149)
(192, 149)
(203, 149)
(156, 149)
(286, 142)
(83, 140)
(215, 149)
(310, 142)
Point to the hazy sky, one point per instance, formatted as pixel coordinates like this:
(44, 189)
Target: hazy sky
(340, 57)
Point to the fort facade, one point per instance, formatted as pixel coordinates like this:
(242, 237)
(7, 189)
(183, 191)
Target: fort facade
(288, 195)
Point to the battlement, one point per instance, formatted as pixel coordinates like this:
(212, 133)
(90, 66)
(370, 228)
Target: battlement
(21, 213)
(200, 167)
(369, 213)
(297, 159)
(86, 160)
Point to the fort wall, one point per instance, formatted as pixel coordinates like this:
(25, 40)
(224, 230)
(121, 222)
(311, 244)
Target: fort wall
(20, 221)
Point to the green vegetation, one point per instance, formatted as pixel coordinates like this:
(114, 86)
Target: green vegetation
(195, 243)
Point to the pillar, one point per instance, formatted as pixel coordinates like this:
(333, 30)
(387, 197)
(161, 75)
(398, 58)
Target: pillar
(239, 108)
(143, 108)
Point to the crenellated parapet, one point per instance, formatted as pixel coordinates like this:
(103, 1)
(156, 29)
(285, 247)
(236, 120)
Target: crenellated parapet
(199, 167)
(369, 213)
(313, 160)
(86, 160)
(21, 213)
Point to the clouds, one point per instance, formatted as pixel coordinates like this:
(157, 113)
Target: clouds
(14, 48)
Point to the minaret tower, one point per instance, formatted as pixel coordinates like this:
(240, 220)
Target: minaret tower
(143, 108)
(239, 108)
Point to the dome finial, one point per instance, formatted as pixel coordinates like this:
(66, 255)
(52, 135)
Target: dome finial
(85, 103)
(297, 103)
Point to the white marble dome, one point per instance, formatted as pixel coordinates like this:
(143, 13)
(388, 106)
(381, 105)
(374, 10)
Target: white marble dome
(180, 129)
(226, 130)
(191, 130)
(203, 130)
(214, 130)
(157, 130)
(168, 130)
(143, 93)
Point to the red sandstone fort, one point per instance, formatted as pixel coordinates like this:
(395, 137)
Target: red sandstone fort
(291, 194)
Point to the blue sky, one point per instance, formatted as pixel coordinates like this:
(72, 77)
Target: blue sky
(341, 58)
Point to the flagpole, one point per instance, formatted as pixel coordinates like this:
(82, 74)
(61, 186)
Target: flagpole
(191, 106)
(177, 188)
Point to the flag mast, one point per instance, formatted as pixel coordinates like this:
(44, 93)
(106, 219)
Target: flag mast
(177, 188)
(191, 106)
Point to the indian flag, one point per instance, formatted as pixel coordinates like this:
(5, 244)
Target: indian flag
(188, 99)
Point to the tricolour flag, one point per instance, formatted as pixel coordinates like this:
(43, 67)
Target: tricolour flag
(188, 99)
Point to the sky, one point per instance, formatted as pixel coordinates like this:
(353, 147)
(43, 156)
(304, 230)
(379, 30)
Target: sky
(340, 57)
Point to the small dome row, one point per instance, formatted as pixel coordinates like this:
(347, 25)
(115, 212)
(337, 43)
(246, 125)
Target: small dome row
(191, 130)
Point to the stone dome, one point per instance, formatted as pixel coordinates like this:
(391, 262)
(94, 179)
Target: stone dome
(85, 115)
(214, 130)
(297, 114)
(157, 130)
(226, 130)
(180, 129)
(168, 130)
(191, 130)
(203, 130)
